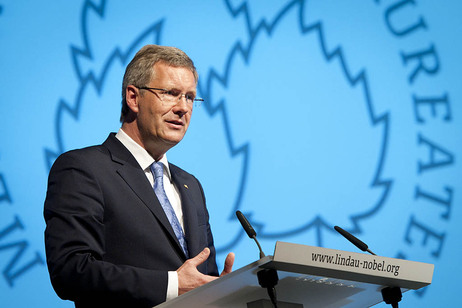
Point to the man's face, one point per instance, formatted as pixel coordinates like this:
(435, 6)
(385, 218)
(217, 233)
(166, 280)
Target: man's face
(161, 126)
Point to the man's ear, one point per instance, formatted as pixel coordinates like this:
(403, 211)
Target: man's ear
(132, 96)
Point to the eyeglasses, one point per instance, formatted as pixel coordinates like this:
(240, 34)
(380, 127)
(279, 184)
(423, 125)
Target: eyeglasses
(173, 96)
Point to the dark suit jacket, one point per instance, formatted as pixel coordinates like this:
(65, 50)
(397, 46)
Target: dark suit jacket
(108, 241)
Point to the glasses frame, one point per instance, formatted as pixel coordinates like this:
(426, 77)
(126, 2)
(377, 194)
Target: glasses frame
(197, 100)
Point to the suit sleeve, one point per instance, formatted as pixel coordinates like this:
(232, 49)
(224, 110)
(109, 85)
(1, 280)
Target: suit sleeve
(75, 244)
(211, 264)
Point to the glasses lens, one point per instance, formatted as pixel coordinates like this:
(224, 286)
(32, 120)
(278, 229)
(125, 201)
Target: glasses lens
(169, 97)
(173, 97)
(198, 102)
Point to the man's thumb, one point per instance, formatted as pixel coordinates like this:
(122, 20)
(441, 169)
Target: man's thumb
(201, 257)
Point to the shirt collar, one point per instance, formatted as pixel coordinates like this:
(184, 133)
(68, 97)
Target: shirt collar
(141, 155)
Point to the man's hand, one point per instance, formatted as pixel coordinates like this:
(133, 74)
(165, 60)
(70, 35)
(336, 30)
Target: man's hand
(228, 264)
(190, 278)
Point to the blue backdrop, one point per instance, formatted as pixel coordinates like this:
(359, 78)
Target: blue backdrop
(353, 105)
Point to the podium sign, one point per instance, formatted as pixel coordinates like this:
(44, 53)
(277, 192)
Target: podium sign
(352, 266)
(313, 277)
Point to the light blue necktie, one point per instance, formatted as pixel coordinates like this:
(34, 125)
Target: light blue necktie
(157, 170)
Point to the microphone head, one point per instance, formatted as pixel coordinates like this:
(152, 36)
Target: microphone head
(246, 225)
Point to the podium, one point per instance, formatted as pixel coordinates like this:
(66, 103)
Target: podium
(310, 277)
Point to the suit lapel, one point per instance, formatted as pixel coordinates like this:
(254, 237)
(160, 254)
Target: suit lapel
(135, 178)
(189, 208)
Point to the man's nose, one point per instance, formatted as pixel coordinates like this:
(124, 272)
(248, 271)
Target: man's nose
(182, 105)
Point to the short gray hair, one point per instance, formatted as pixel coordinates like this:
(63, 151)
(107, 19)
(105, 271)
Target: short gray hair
(139, 71)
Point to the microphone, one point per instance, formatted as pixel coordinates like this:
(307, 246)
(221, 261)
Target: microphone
(390, 295)
(353, 239)
(267, 278)
(249, 230)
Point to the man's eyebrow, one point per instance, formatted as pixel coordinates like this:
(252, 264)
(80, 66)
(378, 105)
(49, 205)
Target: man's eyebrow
(173, 88)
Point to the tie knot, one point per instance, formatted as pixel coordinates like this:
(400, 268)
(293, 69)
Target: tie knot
(157, 169)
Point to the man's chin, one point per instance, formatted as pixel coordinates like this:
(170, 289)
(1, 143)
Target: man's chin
(173, 139)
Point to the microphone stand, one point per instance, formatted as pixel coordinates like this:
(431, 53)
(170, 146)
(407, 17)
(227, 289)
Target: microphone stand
(390, 295)
(267, 278)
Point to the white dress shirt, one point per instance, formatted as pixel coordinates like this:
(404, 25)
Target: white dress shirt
(145, 161)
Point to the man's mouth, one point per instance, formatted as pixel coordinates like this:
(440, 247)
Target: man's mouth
(176, 122)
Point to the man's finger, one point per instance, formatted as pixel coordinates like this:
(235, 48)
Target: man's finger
(228, 264)
(201, 257)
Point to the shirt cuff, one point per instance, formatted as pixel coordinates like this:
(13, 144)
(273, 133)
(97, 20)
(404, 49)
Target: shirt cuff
(172, 286)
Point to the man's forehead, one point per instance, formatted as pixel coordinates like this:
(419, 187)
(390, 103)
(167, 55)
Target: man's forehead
(169, 73)
(164, 66)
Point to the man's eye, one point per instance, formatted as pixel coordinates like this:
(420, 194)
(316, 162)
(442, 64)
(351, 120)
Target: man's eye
(171, 93)
(190, 97)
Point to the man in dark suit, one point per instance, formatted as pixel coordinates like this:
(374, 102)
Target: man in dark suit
(125, 228)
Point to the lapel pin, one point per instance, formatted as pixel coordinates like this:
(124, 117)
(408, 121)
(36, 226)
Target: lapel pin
(186, 186)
